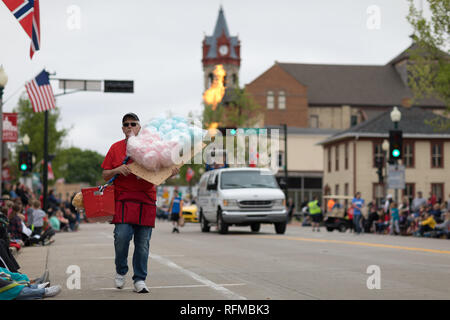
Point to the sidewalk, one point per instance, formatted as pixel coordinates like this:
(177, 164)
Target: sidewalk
(32, 260)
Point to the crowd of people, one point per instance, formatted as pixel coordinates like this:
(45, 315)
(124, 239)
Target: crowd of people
(23, 222)
(421, 217)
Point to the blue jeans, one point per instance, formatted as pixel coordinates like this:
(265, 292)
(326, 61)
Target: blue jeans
(356, 221)
(122, 237)
(31, 293)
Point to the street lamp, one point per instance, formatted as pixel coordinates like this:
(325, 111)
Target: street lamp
(26, 140)
(396, 116)
(385, 148)
(3, 82)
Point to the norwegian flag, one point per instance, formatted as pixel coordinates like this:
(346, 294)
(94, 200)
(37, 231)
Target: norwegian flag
(40, 92)
(189, 174)
(27, 13)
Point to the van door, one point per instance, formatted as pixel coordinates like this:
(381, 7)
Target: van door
(202, 192)
(212, 198)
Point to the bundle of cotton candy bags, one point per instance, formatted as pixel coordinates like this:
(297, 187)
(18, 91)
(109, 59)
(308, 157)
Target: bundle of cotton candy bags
(155, 144)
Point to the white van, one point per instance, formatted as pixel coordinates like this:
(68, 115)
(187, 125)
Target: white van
(242, 197)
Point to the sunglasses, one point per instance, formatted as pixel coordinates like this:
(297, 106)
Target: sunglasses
(127, 124)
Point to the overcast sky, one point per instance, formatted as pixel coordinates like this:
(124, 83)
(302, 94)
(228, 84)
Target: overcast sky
(158, 45)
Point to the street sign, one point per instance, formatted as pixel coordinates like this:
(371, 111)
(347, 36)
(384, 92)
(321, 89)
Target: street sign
(396, 176)
(84, 85)
(119, 86)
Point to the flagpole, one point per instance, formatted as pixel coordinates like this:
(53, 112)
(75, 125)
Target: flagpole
(45, 172)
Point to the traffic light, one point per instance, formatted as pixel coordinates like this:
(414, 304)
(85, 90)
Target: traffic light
(25, 161)
(379, 165)
(395, 145)
(231, 131)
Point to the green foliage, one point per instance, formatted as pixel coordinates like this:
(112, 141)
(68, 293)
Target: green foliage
(429, 70)
(77, 165)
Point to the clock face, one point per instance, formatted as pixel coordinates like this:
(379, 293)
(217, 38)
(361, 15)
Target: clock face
(223, 50)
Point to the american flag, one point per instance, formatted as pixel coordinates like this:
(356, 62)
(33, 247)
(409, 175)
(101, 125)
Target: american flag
(27, 13)
(41, 93)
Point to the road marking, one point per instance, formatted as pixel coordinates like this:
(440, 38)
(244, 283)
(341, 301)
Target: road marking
(209, 283)
(181, 286)
(367, 244)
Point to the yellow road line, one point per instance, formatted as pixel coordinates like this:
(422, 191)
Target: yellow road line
(367, 244)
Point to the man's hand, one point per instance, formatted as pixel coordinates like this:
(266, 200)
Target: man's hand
(175, 171)
(123, 170)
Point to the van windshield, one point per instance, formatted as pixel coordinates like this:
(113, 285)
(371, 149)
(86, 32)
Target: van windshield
(247, 179)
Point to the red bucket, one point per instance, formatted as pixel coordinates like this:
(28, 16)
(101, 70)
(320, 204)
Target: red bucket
(99, 206)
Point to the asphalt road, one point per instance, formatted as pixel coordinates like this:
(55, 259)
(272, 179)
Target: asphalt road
(299, 265)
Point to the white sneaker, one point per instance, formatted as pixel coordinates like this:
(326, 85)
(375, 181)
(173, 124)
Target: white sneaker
(140, 287)
(52, 291)
(119, 281)
(43, 285)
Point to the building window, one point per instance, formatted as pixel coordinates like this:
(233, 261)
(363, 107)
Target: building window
(314, 121)
(438, 190)
(281, 100)
(336, 190)
(235, 79)
(409, 191)
(437, 155)
(336, 159)
(346, 156)
(378, 193)
(378, 153)
(408, 154)
(353, 121)
(270, 100)
(329, 159)
(281, 159)
(210, 80)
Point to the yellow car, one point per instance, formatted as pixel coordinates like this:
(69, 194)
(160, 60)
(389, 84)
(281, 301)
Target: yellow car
(190, 213)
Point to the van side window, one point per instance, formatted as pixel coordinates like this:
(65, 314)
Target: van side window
(212, 177)
(203, 182)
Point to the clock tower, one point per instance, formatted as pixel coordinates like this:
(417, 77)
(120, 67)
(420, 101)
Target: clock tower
(221, 48)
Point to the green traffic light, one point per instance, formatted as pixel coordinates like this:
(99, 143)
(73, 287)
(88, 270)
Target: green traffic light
(396, 153)
(23, 167)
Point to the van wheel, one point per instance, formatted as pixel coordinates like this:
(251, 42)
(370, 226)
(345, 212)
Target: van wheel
(342, 228)
(330, 229)
(280, 227)
(204, 223)
(222, 226)
(255, 227)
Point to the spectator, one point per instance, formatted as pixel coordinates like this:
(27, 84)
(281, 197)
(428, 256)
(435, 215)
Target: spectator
(63, 222)
(357, 204)
(373, 217)
(290, 208)
(387, 203)
(395, 219)
(426, 225)
(54, 222)
(432, 199)
(15, 224)
(16, 286)
(448, 203)
(38, 218)
(443, 229)
(418, 202)
(315, 212)
(72, 219)
(436, 212)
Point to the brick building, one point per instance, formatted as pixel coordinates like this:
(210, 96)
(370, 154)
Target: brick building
(333, 96)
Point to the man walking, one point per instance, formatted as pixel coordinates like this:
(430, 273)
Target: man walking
(315, 212)
(135, 209)
(357, 204)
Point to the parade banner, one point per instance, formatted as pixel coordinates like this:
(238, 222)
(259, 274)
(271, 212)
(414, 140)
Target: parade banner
(10, 130)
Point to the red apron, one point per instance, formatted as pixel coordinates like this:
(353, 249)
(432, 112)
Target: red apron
(134, 207)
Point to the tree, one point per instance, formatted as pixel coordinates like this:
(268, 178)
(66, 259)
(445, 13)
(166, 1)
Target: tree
(429, 70)
(32, 124)
(76, 165)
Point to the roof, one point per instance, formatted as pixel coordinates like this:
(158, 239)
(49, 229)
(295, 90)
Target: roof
(413, 125)
(363, 85)
(221, 28)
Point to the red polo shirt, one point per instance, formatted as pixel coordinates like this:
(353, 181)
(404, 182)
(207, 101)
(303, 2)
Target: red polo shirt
(131, 182)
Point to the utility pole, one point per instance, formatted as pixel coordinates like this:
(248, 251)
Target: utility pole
(286, 188)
